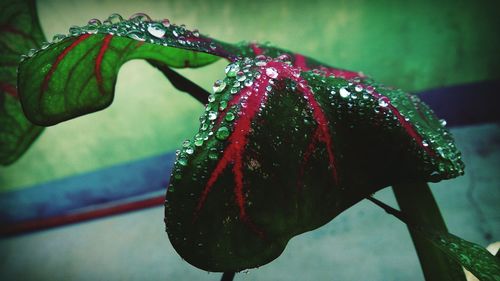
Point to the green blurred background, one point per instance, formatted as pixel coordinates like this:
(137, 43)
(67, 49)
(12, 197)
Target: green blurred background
(413, 45)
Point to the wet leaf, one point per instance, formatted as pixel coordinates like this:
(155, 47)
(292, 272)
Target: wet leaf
(286, 143)
(19, 32)
(76, 74)
(282, 150)
(473, 257)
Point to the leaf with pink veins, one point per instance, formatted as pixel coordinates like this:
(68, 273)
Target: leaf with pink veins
(282, 150)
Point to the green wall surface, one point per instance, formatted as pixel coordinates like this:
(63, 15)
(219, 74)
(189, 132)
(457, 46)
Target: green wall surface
(413, 45)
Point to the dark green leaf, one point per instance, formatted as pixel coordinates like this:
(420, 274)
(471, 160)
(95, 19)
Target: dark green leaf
(282, 151)
(19, 32)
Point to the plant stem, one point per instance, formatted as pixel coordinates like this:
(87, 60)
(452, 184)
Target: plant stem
(228, 276)
(418, 205)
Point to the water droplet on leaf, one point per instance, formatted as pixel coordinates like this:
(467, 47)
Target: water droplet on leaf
(271, 72)
(219, 86)
(156, 29)
(222, 133)
(113, 18)
(344, 92)
(212, 115)
(229, 116)
(136, 35)
(140, 17)
(232, 69)
(165, 22)
(383, 102)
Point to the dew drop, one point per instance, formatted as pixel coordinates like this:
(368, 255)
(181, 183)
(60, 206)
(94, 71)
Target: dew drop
(212, 115)
(31, 52)
(240, 76)
(284, 58)
(94, 22)
(156, 29)
(248, 83)
(358, 88)
(383, 102)
(260, 60)
(198, 142)
(271, 72)
(223, 105)
(113, 18)
(231, 70)
(442, 122)
(58, 38)
(140, 17)
(186, 143)
(190, 150)
(136, 35)
(222, 133)
(75, 30)
(165, 22)
(229, 116)
(344, 92)
(219, 86)
(213, 46)
(182, 161)
(212, 154)
(45, 45)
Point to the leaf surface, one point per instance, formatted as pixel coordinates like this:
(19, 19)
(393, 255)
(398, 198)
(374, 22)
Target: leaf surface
(19, 32)
(283, 149)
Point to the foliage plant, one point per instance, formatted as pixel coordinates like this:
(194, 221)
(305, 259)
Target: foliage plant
(285, 143)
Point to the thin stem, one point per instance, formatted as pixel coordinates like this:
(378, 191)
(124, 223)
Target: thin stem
(419, 208)
(228, 276)
(181, 83)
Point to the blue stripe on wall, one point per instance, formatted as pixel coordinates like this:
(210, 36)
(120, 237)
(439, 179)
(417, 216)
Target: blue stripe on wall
(467, 104)
(75, 192)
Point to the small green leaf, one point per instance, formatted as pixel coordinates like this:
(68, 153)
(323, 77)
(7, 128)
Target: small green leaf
(473, 257)
(19, 32)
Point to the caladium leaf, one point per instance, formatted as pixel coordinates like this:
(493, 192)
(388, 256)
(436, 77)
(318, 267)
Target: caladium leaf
(285, 145)
(282, 150)
(76, 74)
(19, 32)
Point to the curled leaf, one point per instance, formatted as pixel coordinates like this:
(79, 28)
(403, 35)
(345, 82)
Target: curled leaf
(282, 150)
(76, 75)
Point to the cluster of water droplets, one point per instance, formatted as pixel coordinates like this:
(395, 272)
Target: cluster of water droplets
(355, 101)
(364, 101)
(139, 27)
(218, 120)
